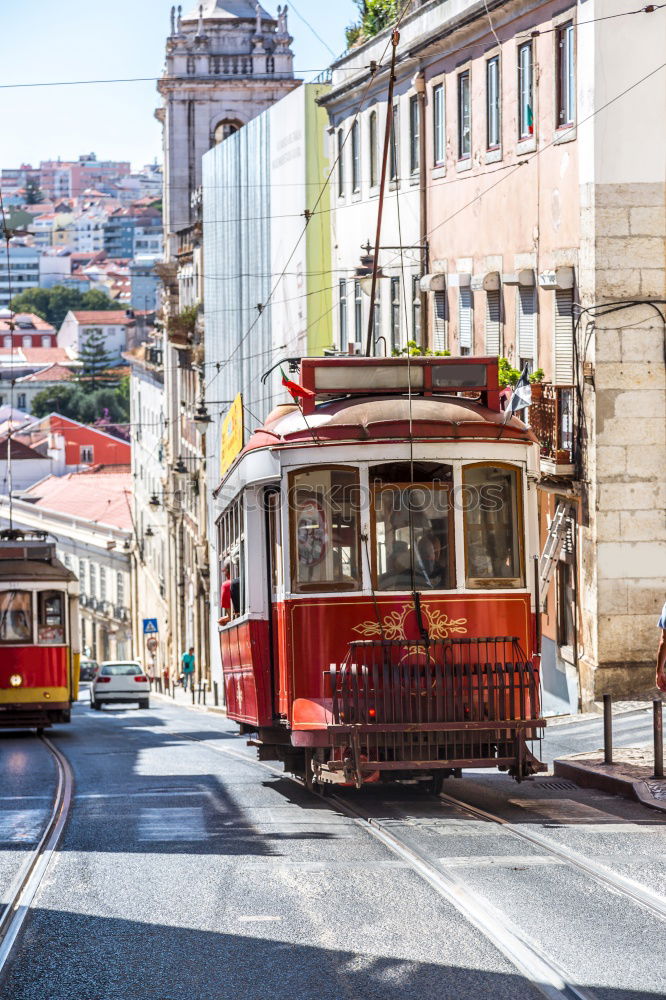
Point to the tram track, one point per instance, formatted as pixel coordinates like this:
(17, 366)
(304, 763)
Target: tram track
(526, 955)
(28, 880)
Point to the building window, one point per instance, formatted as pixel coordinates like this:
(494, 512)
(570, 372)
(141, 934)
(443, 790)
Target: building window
(356, 157)
(493, 323)
(46, 341)
(414, 135)
(564, 337)
(358, 312)
(102, 583)
(416, 309)
(439, 138)
(465, 320)
(439, 331)
(22, 401)
(341, 164)
(86, 454)
(225, 129)
(396, 341)
(372, 143)
(93, 580)
(26, 341)
(395, 144)
(526, 325)
(7, 342)
(342, 314)
(464, 117)
(566, 81)
(120, 588)
(493, 103)
(525, 91)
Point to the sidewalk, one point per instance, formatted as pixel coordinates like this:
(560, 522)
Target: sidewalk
(204, 699)
(632, 772)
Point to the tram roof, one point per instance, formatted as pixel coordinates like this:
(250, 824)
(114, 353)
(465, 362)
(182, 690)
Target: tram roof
(34, 571)
(388, 418)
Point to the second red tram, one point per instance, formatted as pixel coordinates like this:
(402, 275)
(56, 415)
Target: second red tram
(380, 538)
(39, 633)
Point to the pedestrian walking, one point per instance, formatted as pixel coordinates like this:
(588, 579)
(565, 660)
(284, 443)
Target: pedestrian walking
(187, 664)
(661, 653)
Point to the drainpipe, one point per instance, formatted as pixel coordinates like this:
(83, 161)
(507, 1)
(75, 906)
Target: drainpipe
(418, 82)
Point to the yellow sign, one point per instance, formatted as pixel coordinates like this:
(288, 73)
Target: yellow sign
(232, 435)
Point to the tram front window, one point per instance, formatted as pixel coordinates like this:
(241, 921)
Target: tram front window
(51, 622)
(15, 616)
(324, 514)
(413, 518)
(492, 526)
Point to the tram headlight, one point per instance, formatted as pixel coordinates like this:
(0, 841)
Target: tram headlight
(16, 680)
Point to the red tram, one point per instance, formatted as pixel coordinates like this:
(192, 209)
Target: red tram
(380, 538)
(39, 633)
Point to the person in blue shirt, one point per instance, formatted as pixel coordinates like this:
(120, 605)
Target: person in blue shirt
(661, 652)
(187, 664)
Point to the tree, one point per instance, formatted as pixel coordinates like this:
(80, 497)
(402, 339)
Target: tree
(33, 194)
(375, 16)
(95, 360)
(65, 399)
(53, 304)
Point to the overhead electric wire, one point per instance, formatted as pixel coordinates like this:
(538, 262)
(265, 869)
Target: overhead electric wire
(157, 79)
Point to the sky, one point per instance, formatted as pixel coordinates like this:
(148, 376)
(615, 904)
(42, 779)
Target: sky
(56, 40)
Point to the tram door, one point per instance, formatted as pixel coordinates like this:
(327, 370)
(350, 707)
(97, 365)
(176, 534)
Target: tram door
(275, 592)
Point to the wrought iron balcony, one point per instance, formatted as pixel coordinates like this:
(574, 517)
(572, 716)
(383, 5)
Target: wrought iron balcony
(552, 420)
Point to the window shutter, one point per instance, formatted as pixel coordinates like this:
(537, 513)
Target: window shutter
(564, 359)
(527, 323)
(440, 321)
(465, 318)
(493, 323)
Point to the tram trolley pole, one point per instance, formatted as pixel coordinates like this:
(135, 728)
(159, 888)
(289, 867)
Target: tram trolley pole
(658, 731)
(608, 729)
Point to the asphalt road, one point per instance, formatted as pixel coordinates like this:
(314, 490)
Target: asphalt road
(189, 873)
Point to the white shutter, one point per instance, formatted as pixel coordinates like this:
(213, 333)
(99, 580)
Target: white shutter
(439, 339)
(526, 323)
(564, 359)
(493, 323)
(465, 318)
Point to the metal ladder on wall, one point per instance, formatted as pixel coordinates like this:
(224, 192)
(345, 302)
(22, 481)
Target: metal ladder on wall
(557, 535)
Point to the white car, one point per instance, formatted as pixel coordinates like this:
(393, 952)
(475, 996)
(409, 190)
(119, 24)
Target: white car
(119, 681)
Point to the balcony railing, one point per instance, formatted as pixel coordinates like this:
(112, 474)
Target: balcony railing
(552, 420)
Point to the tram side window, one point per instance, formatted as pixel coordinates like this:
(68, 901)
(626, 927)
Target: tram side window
(15, 616)
(325, 542)
(51, 620)
(231, 540)
(491, 504)
(413, 527)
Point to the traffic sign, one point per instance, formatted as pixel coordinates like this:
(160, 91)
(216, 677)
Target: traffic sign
(150, 626)
(152, 644)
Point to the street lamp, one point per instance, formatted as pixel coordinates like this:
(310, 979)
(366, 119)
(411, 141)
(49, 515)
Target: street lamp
(154, 501)
(202, 418)
(364, 273)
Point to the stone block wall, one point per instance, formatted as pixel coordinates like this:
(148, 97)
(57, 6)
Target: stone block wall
(624, 534)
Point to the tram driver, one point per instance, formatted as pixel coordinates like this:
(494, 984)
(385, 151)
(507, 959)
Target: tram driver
(229, 596)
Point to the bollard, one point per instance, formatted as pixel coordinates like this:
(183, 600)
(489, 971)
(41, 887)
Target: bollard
(658, 729)
(608, 729)
(204, 695)
(193, 695)
(173, 690)
(216, 695)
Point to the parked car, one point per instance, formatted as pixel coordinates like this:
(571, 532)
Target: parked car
(88, 669)
(119, 681)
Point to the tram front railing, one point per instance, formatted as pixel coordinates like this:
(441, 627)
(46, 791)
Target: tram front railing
(428, 699)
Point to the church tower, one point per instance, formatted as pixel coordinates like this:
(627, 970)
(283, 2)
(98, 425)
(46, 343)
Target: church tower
(226, 62)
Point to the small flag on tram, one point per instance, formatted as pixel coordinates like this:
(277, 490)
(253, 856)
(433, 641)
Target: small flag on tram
(295, 390)
(521, 397)
(530, 119)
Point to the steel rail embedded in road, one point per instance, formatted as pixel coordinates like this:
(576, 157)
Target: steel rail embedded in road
(610, 880)
(27, 882)
(524, 954)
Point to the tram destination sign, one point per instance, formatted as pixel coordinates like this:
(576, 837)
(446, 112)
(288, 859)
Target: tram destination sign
(233, 439)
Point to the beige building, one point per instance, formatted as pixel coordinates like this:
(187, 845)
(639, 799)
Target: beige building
(535, 134)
